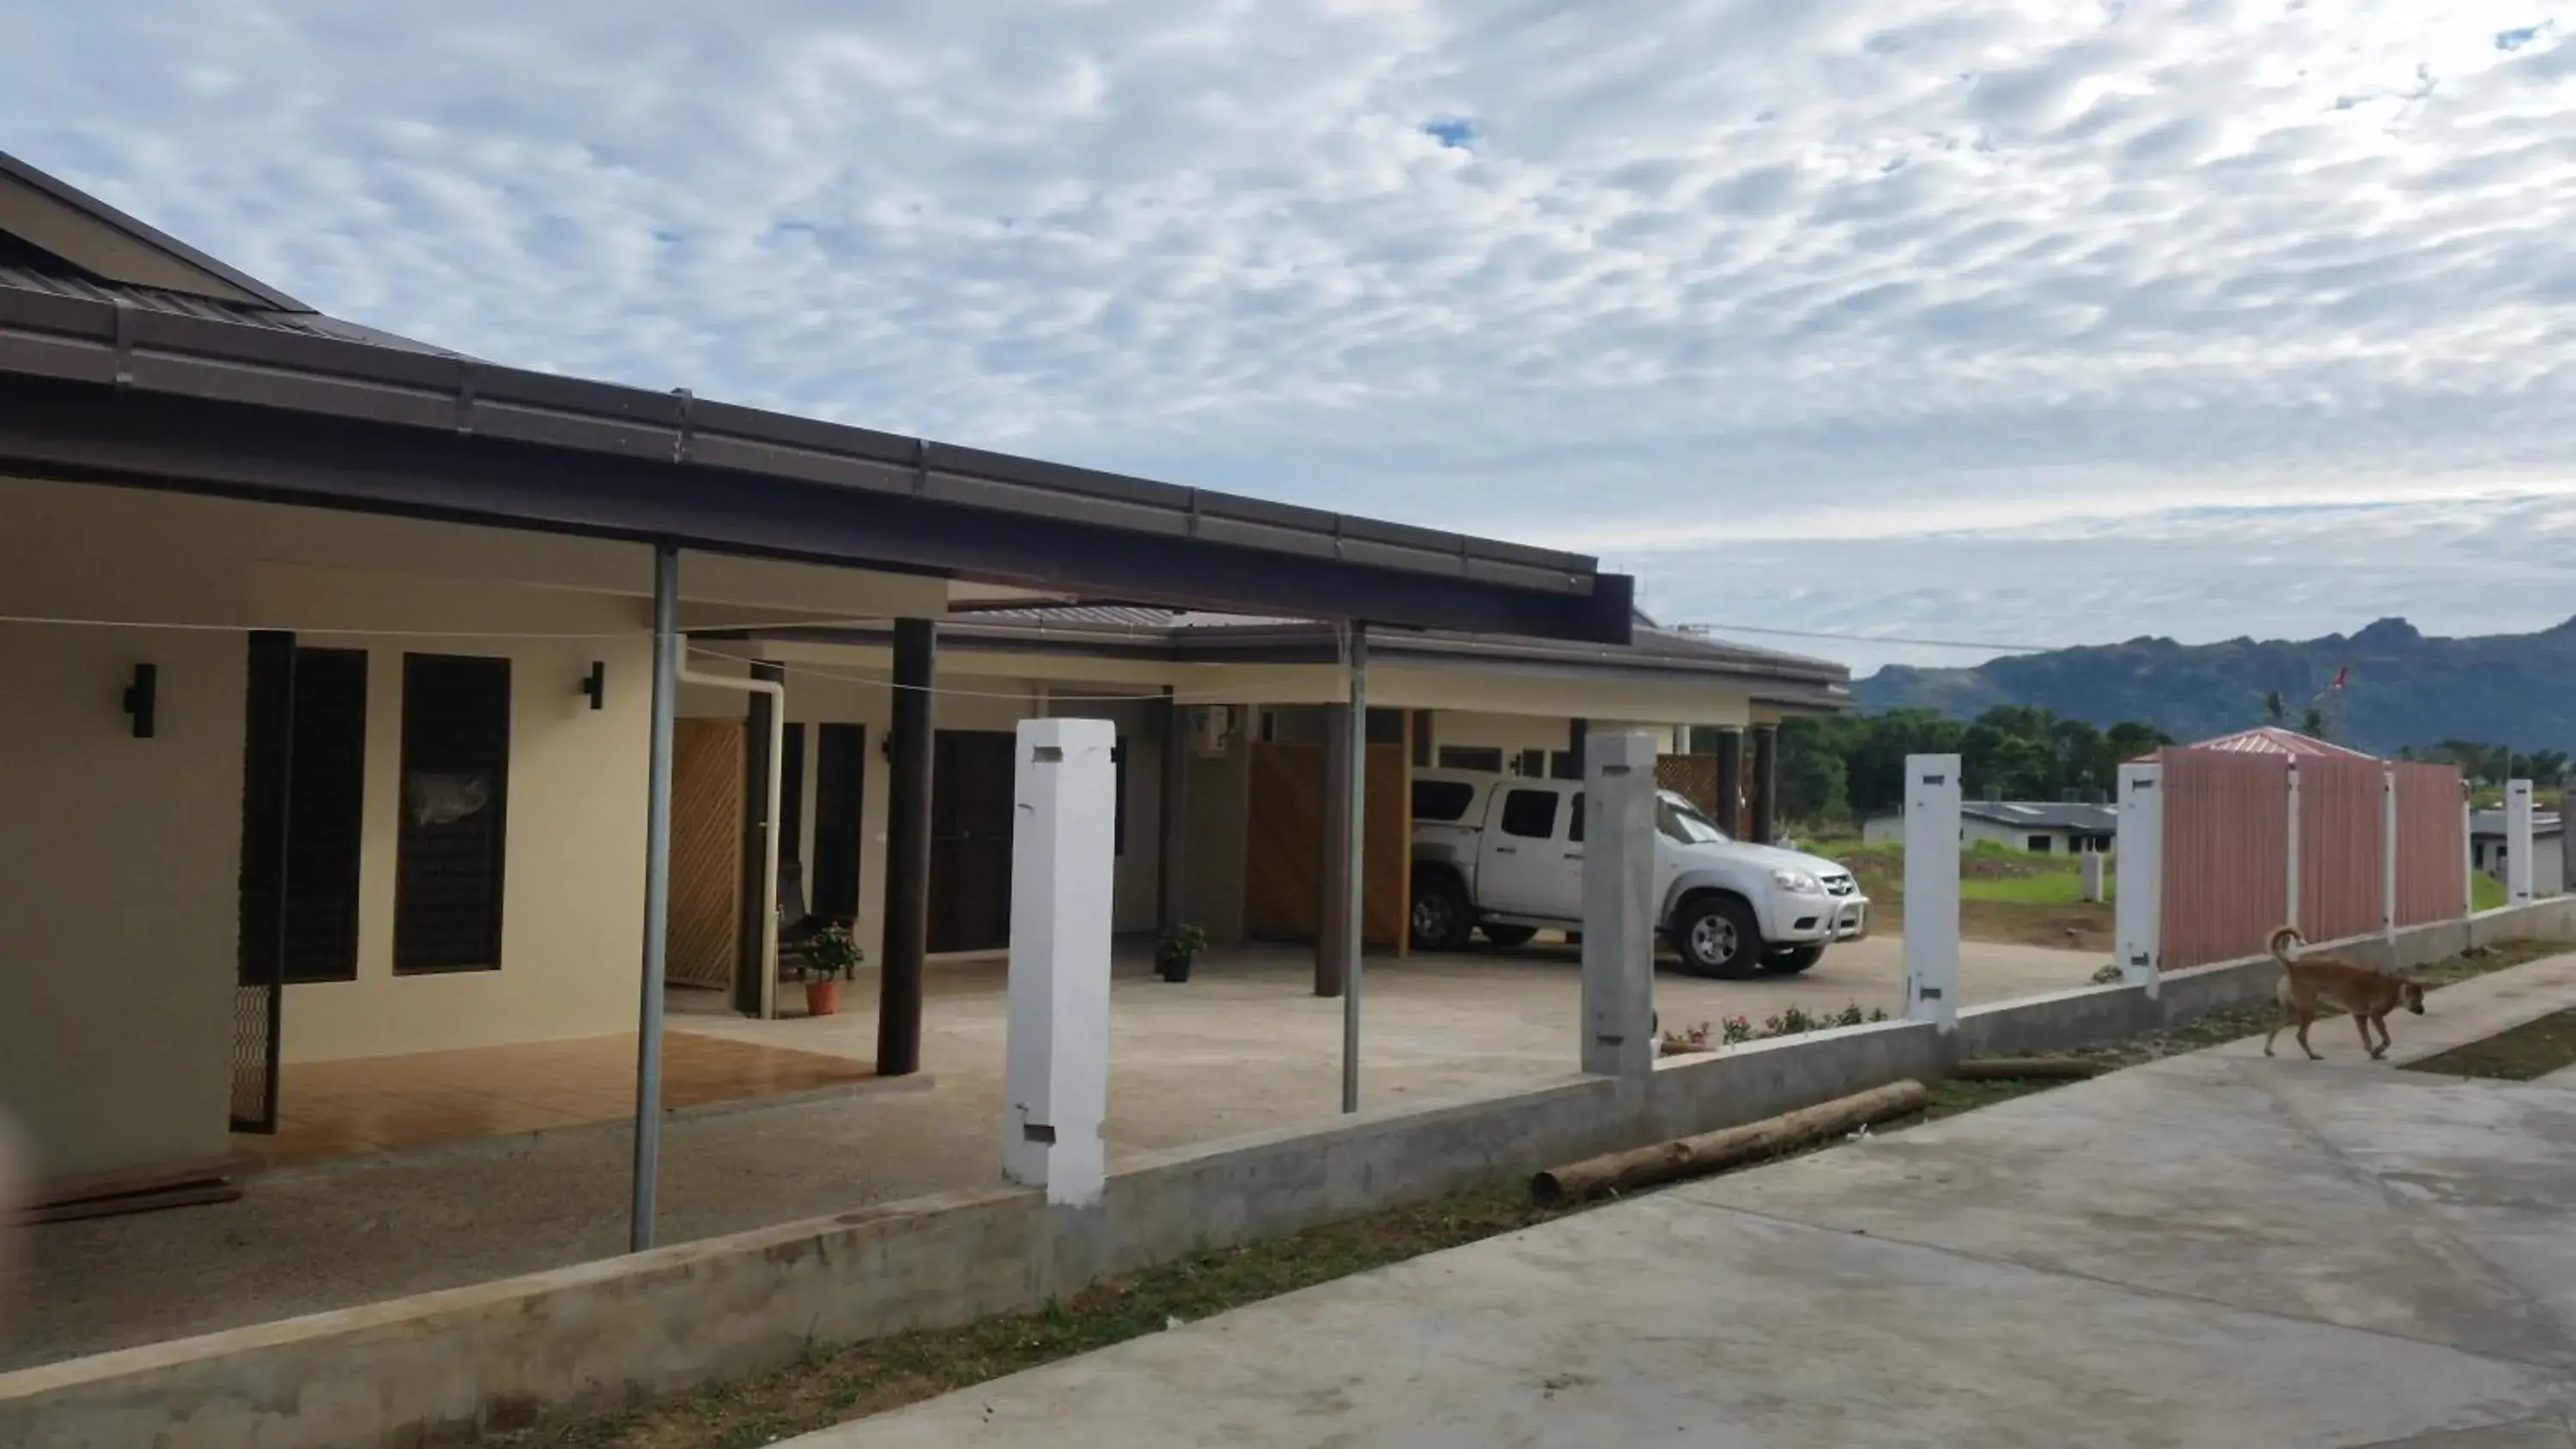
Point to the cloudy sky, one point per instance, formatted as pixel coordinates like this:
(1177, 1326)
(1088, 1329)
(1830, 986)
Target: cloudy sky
(2004, 320)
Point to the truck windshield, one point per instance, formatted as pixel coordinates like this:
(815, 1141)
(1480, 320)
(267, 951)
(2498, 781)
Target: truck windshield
(1681, 820)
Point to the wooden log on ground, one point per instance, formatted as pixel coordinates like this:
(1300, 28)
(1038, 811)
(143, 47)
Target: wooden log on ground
(2025, 1069)
(1691, 1156)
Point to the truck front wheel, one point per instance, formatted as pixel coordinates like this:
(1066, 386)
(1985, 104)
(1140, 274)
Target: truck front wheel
(1442, 913)
(1717, 936)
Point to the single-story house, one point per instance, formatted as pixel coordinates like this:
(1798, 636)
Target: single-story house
(2042, 827)
(334, 660)
(2549, 860)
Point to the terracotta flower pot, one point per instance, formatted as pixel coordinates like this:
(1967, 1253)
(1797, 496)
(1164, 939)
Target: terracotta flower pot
(822, 998)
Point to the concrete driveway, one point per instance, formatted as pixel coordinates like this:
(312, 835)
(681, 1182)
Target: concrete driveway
(2216, 1250)
(1245, 1047)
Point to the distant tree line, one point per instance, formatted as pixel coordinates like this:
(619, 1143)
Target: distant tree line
(2493, 764)
(1854, 765)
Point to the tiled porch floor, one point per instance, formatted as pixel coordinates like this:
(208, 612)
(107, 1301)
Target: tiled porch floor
(338, 1109)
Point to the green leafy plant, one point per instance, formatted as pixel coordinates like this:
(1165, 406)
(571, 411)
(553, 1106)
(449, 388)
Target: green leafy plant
(830, 953)
(1181, 943)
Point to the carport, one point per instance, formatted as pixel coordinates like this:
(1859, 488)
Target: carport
(1239, 746)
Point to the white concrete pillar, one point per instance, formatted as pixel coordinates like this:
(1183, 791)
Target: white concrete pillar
(2388, 854)
(1932, 889)
(1619, 905)
(2138, 908)
(2089, 875)
(1056, 1082)
(2517, 843)
(2468, 853)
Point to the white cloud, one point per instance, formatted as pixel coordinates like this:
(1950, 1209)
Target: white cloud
(1945, 315)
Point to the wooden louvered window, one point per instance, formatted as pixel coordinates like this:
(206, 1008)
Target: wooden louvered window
(455, 797)
(325, 814)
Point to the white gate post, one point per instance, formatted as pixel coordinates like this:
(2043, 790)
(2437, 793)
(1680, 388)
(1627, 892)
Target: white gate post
(1932, 890)
(2388, 854)
(2138, 906)
(2291, 916)
(2517, 842)
(1056, 1082)
(2468, 853)
(1618, 905)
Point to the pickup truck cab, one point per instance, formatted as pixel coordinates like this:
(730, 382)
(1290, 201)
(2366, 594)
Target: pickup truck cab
(1503, 855)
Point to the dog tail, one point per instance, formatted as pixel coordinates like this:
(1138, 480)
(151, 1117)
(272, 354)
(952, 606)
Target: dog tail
(2281, 941)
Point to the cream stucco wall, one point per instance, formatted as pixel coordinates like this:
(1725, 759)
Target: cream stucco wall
(117, 899)
(119, 917)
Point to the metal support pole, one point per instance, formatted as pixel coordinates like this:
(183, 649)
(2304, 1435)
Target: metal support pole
(2388, 854)
(657, 891)
(2291, 883)
(1355, 663)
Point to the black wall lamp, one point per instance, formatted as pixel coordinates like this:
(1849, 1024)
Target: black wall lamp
(596, 686)
(142, 698)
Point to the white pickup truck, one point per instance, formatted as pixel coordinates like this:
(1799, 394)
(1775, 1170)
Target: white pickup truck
(1504, 855)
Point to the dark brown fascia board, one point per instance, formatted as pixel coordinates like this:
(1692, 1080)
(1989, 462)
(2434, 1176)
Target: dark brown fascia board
(318, 420)
(1304, 644)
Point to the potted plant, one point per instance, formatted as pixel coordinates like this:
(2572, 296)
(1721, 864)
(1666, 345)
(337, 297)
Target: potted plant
(829, 955)
(1178, 948)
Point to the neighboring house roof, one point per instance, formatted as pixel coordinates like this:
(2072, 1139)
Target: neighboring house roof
(2273, 740)
(125, 354)
(1182, 634)
(2037, 815)
(2491, 822)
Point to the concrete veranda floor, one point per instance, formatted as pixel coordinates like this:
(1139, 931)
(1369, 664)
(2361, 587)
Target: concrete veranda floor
(1243, 1047)
(2220, 1249)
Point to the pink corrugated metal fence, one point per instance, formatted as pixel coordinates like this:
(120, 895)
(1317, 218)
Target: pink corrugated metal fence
(2341, 820)
(2227, 839)
(2430, 847)
(2226, 854)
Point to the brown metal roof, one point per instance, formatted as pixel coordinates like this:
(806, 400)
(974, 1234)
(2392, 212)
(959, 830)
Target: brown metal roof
(124, 383)
(64, 281)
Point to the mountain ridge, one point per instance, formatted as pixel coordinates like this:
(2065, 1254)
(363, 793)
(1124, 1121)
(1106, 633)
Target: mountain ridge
(2405, 687)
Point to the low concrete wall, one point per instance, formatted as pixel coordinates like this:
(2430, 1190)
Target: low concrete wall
(2102, 1013)
(441, 1366)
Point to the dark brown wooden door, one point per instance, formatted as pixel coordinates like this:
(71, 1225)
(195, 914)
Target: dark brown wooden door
(970, 841)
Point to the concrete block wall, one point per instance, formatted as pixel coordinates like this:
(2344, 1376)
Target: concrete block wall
(440, 1367)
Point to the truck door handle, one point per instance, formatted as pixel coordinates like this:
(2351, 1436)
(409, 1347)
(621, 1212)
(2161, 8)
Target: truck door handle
(1574, 855)
(1507, 850)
